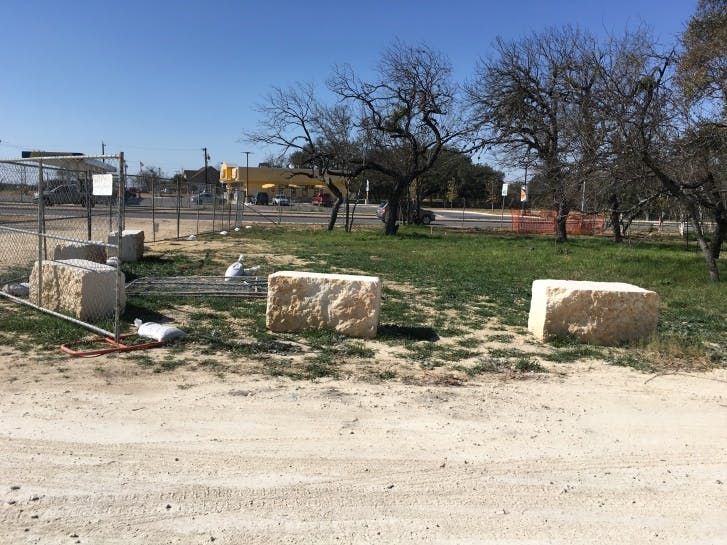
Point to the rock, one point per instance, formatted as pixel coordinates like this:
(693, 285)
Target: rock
(90, 252)
(76, 287)
(304, 300)
(132, 245)
(601, 313)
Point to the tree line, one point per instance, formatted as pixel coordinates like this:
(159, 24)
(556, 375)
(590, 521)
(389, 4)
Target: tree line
(611, 125)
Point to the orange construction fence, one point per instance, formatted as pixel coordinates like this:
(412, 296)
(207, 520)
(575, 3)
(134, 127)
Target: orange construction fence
(544, 222)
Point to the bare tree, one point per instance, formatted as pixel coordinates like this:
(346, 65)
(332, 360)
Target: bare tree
(293, 120)
(682, 142)
(409, 113)
(537, 96)
(396, 125)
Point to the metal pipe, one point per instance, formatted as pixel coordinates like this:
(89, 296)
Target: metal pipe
(119, 238)
(58, 315)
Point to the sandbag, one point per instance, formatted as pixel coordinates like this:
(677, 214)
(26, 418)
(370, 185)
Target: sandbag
(158, 332)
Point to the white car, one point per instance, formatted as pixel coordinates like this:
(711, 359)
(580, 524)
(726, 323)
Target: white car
(281, 200)
(205, 198)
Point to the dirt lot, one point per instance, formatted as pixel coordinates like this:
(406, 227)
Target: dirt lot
(104, 451)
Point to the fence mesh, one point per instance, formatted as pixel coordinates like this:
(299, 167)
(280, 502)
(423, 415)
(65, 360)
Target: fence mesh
(544, 222)
(55, 225)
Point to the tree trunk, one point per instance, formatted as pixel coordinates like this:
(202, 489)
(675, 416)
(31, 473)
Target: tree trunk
(393, 210)
(336, 204)
(334, 214)
(560, 223)
(720, 231)
(706, 247)
(391, 224)
(616, 219)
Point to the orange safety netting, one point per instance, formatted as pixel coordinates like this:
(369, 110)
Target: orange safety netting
(544, 221)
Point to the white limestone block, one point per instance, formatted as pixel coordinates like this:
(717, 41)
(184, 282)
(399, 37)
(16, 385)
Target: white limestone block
(601, 313)
(304, 300)
(132, 245)
(77, 287)
(90, 252)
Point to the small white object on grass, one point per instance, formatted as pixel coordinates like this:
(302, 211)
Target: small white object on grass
(236, 269)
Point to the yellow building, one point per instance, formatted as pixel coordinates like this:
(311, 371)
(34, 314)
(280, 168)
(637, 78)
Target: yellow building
(298, 184)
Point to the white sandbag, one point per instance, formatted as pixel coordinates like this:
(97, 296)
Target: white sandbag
(236, 269)
(158, 332)
(21, 289)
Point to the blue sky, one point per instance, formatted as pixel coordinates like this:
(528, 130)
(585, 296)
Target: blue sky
(159, 80)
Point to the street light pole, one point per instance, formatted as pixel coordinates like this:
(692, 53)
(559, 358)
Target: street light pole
(247, 176)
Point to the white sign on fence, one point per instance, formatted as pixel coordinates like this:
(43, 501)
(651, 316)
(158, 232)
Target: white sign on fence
(103, 184)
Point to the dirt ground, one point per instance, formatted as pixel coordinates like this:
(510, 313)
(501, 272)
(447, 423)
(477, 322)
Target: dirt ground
(102, 450)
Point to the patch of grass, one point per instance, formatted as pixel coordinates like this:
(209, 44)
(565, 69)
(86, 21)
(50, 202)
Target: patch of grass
(32, 329)
(170, 363)
(484, 367)
(528, 365)
(358, 350)
(141, 359)
(505, 353)
(500, 338)
(635, 361)
(469, 342)
(573, 354)
(431, 355)
(319, 370)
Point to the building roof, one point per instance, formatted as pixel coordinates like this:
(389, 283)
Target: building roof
(265, 175)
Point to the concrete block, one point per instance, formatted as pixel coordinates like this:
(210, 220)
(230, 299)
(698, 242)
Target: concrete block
(77, 287)
(89, 252)
(132, 245)
(303, 300)
(601, 313)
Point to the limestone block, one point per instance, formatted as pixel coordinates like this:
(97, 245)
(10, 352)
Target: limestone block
(77, 287)
(601, 313)
(132, 245)
(90, 252)
(303, 300)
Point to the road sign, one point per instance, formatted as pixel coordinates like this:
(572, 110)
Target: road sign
(504, 190)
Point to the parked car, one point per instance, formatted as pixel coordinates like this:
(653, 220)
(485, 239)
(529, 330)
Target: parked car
(322, 199)
(416, 215)
(259, 198)
(206, 198)
(63, 194)
(281, 200)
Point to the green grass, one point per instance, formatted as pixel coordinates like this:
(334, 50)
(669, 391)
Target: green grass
(440, 288)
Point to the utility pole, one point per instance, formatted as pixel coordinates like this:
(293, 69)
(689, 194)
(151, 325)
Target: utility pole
(247, 176)
(206, 181)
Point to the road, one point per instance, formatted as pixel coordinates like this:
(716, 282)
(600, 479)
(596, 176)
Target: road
(302, 213)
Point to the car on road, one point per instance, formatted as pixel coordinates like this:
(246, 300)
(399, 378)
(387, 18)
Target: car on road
(322, 199)
(281, 200)
(63, 194)
(416, 215)
(206, 198)
(259, 198)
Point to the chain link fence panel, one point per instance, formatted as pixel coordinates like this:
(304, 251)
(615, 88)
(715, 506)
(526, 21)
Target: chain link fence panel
(56, 219)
